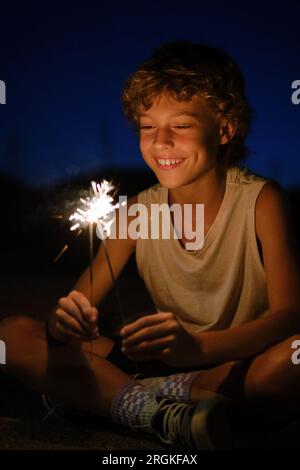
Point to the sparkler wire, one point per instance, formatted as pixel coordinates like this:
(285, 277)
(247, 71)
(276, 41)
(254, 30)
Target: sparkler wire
(91, 272)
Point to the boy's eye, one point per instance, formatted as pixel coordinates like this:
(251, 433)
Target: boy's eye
(178, 127)
(183, 127)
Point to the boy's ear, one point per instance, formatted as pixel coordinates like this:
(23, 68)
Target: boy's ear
(227, 131)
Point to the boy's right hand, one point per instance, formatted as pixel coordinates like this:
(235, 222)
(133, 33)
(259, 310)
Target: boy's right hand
(74, 319)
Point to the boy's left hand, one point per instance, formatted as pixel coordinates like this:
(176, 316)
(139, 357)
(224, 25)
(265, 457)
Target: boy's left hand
(162, 337)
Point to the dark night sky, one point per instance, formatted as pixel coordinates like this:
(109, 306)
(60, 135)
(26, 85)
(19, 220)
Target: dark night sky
(64, 66)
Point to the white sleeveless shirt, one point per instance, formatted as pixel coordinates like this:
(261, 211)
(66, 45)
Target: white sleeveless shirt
(221, 285)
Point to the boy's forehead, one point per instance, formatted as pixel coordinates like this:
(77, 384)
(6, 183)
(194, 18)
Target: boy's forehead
(165, 103)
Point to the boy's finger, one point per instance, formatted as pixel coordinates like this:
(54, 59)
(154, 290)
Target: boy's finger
(70, 307)
(91, 315)
(75, 326)
(142, 322)
(67, 331)
(149, 333)
(147, 346)
(80, 299)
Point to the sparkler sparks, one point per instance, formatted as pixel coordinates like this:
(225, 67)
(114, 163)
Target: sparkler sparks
(98, 209)
(66, 247)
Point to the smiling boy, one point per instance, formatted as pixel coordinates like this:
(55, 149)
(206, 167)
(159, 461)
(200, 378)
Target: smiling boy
(227, 314)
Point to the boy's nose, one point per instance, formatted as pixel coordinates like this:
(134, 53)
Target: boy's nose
(163, 138)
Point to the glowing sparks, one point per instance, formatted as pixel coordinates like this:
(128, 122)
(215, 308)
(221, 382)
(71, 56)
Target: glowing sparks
(65, 248)
(97, 209)
(62, 251)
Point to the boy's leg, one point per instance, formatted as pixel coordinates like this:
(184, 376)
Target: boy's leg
(270, 379)
(42, 365)
(268, 384)
(69, 376)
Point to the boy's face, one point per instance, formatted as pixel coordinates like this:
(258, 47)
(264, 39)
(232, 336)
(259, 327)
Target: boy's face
(179, 140)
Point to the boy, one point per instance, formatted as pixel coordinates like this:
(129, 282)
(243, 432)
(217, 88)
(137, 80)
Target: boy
(228, 312)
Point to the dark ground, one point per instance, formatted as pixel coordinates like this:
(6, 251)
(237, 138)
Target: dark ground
(30, 285)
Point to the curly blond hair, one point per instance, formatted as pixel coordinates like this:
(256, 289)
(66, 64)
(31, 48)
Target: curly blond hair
(184, 69)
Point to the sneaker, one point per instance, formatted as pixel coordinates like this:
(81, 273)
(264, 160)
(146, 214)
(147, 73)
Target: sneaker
(193, 426)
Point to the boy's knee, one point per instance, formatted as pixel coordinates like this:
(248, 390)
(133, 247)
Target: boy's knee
(17, 333)
(274, 373)
(16, 325)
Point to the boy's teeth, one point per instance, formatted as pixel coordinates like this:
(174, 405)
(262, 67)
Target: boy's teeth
(165, 162)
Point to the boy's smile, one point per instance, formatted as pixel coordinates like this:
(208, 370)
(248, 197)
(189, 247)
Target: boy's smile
(179, 140)
(165, 163)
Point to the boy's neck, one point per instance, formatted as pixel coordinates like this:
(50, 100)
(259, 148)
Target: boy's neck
(208, 190)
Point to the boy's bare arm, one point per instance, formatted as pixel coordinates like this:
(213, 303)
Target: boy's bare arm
(275, 232)
(74, 318)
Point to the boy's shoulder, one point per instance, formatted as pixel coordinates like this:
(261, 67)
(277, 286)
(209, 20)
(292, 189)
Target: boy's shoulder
(242, 175)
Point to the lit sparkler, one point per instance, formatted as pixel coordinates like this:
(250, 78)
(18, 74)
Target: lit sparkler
(100, 210)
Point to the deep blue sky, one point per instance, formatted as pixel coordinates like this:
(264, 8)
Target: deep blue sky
(64, 66)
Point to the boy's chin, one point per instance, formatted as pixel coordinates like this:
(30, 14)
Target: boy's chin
(169, 183)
